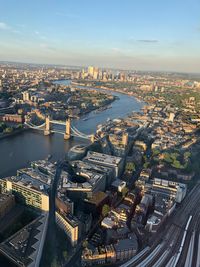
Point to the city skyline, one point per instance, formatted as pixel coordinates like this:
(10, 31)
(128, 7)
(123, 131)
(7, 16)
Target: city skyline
(140, 36)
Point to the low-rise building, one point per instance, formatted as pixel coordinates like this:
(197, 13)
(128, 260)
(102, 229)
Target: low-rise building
(98, 256)
(126, 248)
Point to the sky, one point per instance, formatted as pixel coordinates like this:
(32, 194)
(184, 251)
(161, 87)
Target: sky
(128, 34)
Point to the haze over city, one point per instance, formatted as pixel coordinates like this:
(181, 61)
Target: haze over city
(141, 35)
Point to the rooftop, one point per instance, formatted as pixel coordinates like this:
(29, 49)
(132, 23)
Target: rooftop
(126, 244)
(29, 182)
(44, 166)
(103, 158)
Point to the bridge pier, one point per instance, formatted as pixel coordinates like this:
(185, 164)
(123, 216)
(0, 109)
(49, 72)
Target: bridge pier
(67, 134)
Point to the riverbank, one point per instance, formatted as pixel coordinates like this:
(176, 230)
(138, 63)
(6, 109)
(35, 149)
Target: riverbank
(137, 97)
(103, 101)
(15, 132)
(98, 109)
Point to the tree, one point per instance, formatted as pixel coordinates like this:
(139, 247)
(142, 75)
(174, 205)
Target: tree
(124, 191)
(187, 154)
(146, 165)
(155, 152)
(130, 166)
(176, 164)
(54, 263)
(168, 158)
(19, 126)
(2, 125)
(85, 243)
(8, 130)
(105, 210)
(174, 155)
(64, 255)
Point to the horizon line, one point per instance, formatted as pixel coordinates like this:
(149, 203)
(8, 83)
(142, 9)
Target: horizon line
(108, 68)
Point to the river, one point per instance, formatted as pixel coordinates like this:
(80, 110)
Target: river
(17, 151)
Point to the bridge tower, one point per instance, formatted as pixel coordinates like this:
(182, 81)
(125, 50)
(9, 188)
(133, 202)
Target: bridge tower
(67, 134)
(47, 130)
(92, 138)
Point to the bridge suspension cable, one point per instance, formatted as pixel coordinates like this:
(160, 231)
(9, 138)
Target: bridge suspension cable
(80, 133)
(35, 126)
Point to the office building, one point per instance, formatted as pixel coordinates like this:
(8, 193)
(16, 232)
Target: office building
(91, 71)
(83, 184)
(105, 160)
(28, 191)
(70, 225)
(88, 166)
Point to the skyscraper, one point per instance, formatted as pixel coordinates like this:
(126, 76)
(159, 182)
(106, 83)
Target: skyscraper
(91, 71)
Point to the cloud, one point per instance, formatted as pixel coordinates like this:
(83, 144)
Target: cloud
(42, 37)
(148, 41)
(17, 31)
(47, 47)
(116, 49)
(132, 41)
(4, 26)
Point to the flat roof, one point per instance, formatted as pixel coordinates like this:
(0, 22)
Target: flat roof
(28, 182)
(35, 174)
(87, 165)
(103, 158)
(126, 244)
(73, 221)
(46, 165)
(91, 177)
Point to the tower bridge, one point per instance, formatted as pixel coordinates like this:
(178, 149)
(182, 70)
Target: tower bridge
(62, 127)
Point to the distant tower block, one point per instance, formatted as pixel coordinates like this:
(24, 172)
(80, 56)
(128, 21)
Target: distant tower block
(171, 117)
(47, 130)
(125, 139)
(67, 134)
